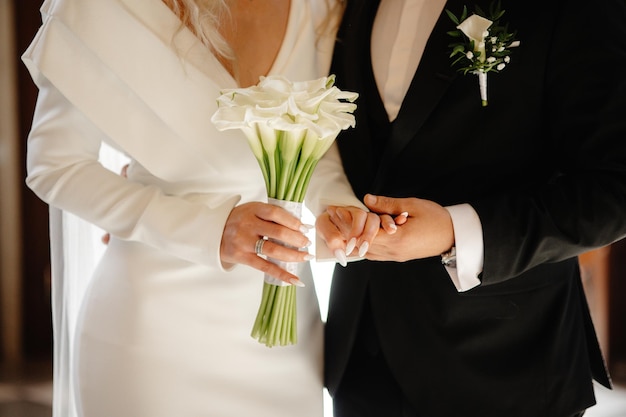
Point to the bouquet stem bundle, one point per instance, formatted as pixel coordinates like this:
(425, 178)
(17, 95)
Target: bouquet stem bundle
(276, 320)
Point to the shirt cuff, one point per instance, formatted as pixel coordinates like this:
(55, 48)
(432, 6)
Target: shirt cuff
(468, 236)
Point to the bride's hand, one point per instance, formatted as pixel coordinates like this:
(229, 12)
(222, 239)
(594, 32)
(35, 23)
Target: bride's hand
(107, 236)
(250, 222)
(347, 230)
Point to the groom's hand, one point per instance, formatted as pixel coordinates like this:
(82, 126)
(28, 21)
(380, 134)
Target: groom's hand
(427, 232)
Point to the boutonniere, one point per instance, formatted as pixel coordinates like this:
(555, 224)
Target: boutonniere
(483, 46)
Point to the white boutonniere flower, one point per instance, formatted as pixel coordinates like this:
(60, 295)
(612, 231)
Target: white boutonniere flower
(484, 44)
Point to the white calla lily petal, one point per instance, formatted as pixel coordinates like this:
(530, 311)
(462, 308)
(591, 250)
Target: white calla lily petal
(476, 28)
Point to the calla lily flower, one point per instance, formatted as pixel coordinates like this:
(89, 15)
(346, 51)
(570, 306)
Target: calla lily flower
(476, 28)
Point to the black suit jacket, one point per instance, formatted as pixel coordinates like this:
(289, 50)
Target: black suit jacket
(544, 166)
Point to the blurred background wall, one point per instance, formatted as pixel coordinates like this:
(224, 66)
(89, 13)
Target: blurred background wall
(25, 320)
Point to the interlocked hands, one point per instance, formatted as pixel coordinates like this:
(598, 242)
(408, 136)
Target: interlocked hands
(395, 229)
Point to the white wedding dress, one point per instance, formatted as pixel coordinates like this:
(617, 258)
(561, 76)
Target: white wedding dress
(163, 329)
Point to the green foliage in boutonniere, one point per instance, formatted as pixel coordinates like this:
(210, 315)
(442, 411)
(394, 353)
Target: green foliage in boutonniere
(482, 44)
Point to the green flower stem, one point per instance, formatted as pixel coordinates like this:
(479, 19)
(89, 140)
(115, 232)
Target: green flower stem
(267, 314)
(304, 179)
(258, 322)
(286, 176)
(286, 319)
(295, 190)
(265, 170)
(276, 321)
(294, 322)
(271, 160)
(291, 192)
(262, 319)
(289, 146)
(276, 316)
(292, 334)
(305, 184)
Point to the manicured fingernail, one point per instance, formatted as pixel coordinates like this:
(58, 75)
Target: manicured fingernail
(341, 257)
(308, 257)
(307, 244)
(306, 228)
(363, 249)
(297, 282)
(350, 246)
(405, 214)
(392, 226)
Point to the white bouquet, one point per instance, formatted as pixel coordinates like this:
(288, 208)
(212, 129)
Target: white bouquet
(289, 127)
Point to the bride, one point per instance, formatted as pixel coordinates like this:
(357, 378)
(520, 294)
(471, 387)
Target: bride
(163, 328)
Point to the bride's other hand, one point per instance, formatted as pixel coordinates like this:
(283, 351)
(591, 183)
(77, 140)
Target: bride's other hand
(107, 236)
(251, 222)
(347, 230)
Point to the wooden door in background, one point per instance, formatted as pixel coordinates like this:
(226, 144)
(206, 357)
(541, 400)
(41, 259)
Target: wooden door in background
(36, 311)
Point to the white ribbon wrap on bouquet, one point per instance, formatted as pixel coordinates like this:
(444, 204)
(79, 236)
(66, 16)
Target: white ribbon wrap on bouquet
(295, 209)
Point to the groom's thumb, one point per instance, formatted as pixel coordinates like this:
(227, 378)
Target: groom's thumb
(379, 204)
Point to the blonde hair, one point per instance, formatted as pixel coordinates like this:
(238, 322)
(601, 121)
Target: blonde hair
(330, 25)
(204, 17)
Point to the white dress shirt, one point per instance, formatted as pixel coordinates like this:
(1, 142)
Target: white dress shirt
(401, 30)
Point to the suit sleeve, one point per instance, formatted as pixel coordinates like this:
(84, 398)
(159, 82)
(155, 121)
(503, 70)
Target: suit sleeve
(583, 204)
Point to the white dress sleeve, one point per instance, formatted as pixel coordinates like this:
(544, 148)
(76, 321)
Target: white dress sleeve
(63, 170)
(329, 185)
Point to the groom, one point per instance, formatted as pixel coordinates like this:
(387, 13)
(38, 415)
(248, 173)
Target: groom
(528, 182)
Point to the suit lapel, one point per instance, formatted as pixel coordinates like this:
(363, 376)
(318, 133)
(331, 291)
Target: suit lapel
(430, 82)
(360, 147)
